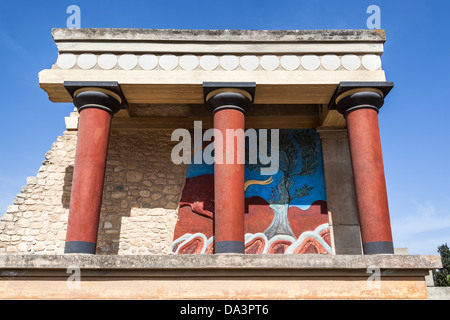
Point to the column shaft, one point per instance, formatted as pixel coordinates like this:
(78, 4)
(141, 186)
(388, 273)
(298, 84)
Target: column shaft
(369, 178)
(360, 103)
(96, 102)
(228, 102)
(88, 179)
(229, 188)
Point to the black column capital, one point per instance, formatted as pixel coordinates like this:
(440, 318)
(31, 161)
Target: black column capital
(229, 95)
(350, 96)
(92, 94)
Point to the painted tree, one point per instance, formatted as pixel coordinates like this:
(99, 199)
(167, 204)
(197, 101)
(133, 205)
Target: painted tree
(297, 157)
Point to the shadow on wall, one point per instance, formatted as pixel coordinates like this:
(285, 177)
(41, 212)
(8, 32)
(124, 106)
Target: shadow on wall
(141, 194)
(67, 187)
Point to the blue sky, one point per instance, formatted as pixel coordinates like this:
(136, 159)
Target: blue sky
(414, 121)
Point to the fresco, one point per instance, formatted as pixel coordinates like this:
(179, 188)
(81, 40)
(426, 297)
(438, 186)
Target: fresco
(285, 213)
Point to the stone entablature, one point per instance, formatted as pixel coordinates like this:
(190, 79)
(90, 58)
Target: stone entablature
(161, 71)
(155, 66)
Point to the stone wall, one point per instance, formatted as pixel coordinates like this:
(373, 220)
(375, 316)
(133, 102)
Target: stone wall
(340, 189)
(140, 198)
(142, 191)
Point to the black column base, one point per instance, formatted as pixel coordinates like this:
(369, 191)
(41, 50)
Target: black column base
(229, 247)
(80, 247)
(378, 247)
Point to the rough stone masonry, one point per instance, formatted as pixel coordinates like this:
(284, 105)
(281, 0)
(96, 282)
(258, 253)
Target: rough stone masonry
(141, 194)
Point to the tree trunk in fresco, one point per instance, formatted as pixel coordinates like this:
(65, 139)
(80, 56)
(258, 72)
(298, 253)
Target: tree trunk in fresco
(280, 222)
(297, 157)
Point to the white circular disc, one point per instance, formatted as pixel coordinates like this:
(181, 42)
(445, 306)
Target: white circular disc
(351, 62)
(209, 62)
(371, 62)
(66, 60)
(270, 62)
(148, 61)
(128, 61)
(168, 62)
(107, 61)
(249, 62)
(229, 62)
(188, 62)
(330, 62)
(87, 61)
(310, 62)
(290, 62)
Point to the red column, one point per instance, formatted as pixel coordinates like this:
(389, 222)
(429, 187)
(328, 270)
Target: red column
(360, 108)
(229, 102)
(370, 185)
(96, 110)
(229, 189)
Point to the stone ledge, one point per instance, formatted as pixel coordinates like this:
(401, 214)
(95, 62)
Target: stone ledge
(222, 262)
(63, 34)
(439, 293)
(215, 277)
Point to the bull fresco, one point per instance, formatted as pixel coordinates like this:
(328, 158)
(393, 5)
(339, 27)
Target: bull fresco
(285, 213)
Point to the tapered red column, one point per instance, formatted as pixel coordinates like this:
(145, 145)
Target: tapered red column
(368, 173)
(228, 106)
(96, 108)
(360, 107)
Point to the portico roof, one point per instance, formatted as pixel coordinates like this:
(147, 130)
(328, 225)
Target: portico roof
(161, 72)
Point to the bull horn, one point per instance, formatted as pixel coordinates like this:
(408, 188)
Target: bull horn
(261, 182)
